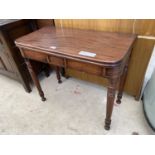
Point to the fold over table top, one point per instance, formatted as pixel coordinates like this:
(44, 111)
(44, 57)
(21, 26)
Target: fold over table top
(108, 47)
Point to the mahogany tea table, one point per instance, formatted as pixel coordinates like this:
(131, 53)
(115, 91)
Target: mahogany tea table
(104, 54)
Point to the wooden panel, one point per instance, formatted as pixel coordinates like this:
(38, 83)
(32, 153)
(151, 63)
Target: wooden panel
(56, 61)
(111, 25)
(85, 67)
(145, 27)
(139, 60)
(45, 22)
(138, 26)
(35, 55)
(5, 60)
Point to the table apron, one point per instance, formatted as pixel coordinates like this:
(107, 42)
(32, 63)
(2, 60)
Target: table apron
(98, 70)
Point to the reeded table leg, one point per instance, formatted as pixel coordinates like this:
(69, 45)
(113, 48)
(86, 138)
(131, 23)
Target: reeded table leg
(110, 101)
(35, 79)
(121, 85)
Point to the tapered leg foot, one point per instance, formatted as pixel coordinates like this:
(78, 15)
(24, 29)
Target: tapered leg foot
(107, 124)
(58, 74)
(43, 99)
(119, 97)
(59, 81)
(41, 93)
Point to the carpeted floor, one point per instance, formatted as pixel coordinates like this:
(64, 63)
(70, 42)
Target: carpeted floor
(73, 107)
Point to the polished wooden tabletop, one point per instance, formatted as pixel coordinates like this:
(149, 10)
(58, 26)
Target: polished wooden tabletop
(109, 47)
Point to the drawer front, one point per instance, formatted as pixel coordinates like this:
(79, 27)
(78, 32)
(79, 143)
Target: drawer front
(54, 60)
(34, 55)
(85, 67)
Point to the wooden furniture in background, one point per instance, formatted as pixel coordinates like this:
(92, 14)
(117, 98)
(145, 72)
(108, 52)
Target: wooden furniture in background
(61, 47)
(141, 52)
(11, 62)
(45, 22)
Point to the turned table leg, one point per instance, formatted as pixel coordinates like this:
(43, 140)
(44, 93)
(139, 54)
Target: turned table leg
(35, 79)
(57, 68)
(121, 84)
(110, 101)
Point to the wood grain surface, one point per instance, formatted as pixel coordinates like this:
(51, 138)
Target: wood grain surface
(137, 26)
